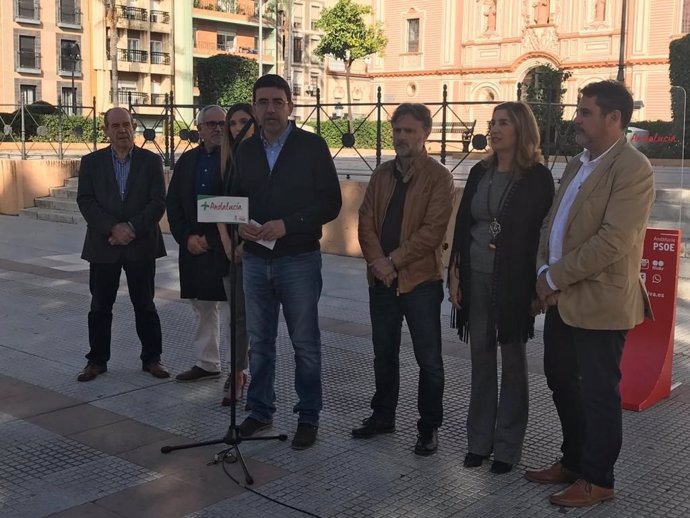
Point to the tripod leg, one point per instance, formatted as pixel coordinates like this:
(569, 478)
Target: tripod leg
(168, 449)
(240, 459)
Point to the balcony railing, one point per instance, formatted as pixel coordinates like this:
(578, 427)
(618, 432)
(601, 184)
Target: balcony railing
(124, 96)
(225, 47)
(211, 46)
(160, 16)
(66, 64)
(66, 17)
(160, 58)
(27, 10)
(158, 98)
(133, 56)
(132, 13)
(207, 5)
(28, 60)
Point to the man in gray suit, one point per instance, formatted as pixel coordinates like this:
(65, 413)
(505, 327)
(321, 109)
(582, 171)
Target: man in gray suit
(121, 195)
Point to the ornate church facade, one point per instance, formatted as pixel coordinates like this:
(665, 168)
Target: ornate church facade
(482, 49)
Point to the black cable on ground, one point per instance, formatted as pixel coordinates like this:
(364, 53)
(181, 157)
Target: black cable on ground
(229, 458)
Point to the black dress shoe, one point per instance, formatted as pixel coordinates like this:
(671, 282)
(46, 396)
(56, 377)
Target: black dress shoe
(156, 369)
(372, 426)
(427, 443)
(500, 467)
(472, 460)
(305, 436)
(91, 371)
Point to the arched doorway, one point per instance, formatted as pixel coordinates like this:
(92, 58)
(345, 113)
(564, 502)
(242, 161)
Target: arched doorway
(487, 96)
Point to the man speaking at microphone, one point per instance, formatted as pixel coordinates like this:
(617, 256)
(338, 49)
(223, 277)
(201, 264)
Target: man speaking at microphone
(292, 185)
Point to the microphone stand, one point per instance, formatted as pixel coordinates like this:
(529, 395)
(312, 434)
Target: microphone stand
(232, 437)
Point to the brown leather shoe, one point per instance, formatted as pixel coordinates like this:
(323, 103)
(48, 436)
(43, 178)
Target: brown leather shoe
(157, 370)
(91, 370)
(582, 494)
(555, 474)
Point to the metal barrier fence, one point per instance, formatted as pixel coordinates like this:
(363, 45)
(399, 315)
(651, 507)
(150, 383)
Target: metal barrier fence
(450, 127)
(40, 130)
(168, 129)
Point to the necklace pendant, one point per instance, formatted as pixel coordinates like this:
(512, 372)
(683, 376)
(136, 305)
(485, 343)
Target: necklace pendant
(494, 229)
(492, 245)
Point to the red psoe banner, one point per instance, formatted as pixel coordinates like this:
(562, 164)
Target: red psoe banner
(648, 351)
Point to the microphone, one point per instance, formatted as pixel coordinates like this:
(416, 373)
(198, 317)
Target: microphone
(235, 146)
(240, 136)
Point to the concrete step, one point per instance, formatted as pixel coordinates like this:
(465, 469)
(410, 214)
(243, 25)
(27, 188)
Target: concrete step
(60, 216)
(64, 192)
(664, 212)
(672, 195)
(72, 182)
(50, 202)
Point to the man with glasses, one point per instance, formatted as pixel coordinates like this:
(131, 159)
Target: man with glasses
(202, 257)
(121, 195)
(291, 182)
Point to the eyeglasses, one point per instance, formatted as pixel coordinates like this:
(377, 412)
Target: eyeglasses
(214, 124)
(277, 103)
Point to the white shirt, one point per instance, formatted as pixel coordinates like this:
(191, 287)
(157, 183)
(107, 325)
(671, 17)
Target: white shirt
(561, 218)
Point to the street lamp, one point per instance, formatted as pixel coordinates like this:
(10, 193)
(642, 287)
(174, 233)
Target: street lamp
(75, 55)
(621, 55)
(682, 154)
(261, 38)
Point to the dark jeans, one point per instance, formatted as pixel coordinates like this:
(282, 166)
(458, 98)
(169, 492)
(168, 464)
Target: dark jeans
(293, 282)
(422, 309)
(582, 368)
(104, 281)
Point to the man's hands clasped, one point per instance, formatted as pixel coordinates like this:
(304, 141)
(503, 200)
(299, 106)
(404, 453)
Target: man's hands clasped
(269, 231)
(121, 235)
(197, 245)
(547, 295)
(384, 270)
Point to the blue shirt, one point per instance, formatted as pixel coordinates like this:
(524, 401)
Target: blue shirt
(273, 150)
(121, 168)
(207, 163)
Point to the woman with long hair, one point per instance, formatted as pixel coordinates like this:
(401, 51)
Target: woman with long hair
(236, 119)
(492, 277)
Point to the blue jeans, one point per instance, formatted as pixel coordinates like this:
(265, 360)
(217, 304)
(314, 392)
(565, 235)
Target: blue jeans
(421, 307)
(295, 283)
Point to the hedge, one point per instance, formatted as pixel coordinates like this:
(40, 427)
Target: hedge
(364, 130)
(72, 128)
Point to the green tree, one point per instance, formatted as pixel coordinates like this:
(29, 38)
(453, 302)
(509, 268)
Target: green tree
(348, 37)
(679, 73)
(545, 94)
(226, 79)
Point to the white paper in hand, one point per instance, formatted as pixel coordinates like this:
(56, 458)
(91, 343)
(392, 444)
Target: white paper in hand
(263, 242)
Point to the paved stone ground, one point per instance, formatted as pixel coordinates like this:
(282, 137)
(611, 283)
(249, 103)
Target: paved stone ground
(71, 449)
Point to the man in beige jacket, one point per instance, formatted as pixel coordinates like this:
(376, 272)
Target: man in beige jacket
(589, 279)
(402, 224)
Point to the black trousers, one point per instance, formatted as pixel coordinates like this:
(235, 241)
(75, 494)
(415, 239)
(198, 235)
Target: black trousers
(104, 281)
(422, 309)
(582, 368)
